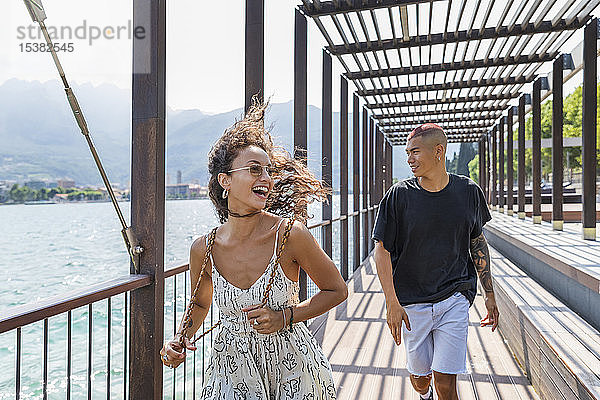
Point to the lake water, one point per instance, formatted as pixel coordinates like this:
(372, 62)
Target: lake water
(51, 249)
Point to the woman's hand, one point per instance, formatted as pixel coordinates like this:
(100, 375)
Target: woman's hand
(263, 319)
(172, 354)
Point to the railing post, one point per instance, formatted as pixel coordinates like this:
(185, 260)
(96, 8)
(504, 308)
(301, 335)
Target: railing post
(501, 165)
(148, 198)
(494, 169)
(510, 170)
(356, 177)
(326, 151)
(521, 160)
(557, 143)
(536, 157)
(365, 182)
(344, 177)
(588, 156)
(255, 51)
(300, 107)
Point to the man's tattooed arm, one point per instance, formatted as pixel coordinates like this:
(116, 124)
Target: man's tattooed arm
(480, 253)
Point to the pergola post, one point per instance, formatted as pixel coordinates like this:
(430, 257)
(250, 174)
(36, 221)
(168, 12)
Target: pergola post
(588, 156)
(536, 158)
(391, 160)
(557, 143)
(510, 170)
(372, 178)
(365, 181)
(521, 160)
(494, 169)
(356, 177)
(300, 107)
(480, 164)
(501, 165)
(488, 164)
(344, 177)
(326, 151)
(379, 158)
(255, 51)
(148, 199)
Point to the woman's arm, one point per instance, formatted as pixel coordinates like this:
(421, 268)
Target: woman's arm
(302, 250)
(175, 353)
(306, 252)
(204, 295)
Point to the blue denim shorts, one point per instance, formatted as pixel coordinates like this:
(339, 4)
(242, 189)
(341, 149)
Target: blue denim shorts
(437, 340)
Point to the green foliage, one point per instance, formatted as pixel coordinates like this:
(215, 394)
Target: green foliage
(460, 163)
(572, 120)
(20, 194)
(474, 169)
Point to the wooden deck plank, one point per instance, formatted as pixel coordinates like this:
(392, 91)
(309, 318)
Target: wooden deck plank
(368, 365)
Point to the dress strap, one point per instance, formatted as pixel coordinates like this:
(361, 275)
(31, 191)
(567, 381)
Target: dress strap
(210, 257)
(276, 239)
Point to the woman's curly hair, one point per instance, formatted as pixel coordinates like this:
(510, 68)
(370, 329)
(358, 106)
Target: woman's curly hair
(295, 186)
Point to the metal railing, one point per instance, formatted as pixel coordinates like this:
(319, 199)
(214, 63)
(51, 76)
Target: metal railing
(77, 318)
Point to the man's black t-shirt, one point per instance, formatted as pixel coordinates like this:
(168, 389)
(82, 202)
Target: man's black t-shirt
(428, 236)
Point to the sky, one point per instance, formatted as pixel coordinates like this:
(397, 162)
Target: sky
(205, 49)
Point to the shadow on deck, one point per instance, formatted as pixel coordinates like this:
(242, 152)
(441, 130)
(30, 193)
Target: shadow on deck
(368, 365)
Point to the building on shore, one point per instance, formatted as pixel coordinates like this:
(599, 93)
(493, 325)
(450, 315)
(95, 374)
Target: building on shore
(66, 183)
(185, 191)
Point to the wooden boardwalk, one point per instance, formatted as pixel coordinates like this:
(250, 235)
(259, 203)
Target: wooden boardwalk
(368, 365)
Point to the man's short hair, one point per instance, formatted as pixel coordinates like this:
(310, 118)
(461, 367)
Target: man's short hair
(429, 130)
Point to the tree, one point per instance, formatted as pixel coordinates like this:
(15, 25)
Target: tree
(474, 169)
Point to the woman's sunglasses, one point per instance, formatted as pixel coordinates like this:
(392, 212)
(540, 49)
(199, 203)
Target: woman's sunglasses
(257, 170)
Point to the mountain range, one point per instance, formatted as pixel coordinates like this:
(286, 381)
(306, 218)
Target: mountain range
(39, 138)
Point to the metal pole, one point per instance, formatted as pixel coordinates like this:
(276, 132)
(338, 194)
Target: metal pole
(148, 198)
(344, 177)
(488, 164)
(501, 165)
(557, 145)
(521, 160)
(536, 157)
(372, 178)
(391, 163)
(510, 170)
(356, 177)
(481, 154)
(365, 181)
(588, 156)
(494, 169)
(326, 150)
(300, 107)
(378, 158)
(255, 51)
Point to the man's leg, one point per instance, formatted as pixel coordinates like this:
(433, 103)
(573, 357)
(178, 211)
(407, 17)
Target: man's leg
(451, 325)
(418, 343)
(421, 383)
(445, 386)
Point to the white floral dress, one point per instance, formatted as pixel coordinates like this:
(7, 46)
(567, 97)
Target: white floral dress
(247, 365)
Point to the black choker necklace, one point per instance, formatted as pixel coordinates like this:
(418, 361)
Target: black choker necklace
(234, 214)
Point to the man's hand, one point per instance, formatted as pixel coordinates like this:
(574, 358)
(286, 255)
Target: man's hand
(492, 311)
(395, 315)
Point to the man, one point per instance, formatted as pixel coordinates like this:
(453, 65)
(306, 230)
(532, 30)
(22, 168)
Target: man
(430, 249)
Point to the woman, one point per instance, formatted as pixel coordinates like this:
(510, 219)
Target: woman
(260, 352)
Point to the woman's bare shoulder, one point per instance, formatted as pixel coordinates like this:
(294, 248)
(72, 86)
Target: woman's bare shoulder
(299, 234)
(199, 246)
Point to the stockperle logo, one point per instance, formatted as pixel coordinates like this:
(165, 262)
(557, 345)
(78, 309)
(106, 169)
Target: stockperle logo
(84, 31)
